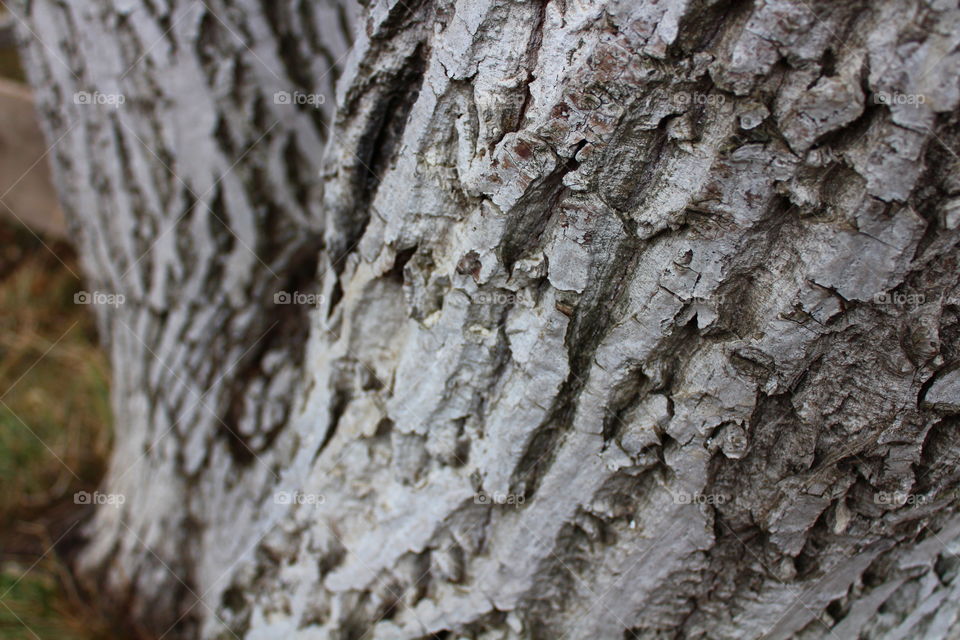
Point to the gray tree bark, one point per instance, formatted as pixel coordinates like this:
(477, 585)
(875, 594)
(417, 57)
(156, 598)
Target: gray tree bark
(638, 318)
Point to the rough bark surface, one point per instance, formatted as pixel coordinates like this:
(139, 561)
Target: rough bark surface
(639, 317)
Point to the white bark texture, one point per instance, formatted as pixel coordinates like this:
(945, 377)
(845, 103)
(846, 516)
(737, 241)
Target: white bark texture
(639, 317)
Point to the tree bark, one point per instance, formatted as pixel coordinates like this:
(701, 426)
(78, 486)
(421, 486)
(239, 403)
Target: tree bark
(636, 320)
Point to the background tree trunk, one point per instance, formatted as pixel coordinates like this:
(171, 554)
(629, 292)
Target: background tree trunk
(638, 319)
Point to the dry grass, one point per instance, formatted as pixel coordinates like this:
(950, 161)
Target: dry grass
(9, 66)
(54, 437)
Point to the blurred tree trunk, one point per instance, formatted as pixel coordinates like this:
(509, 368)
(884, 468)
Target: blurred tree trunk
(635, 318)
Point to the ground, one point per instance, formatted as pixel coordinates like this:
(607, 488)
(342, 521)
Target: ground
(53, 393)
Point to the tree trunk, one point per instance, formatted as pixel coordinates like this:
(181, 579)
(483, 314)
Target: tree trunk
(636, 319)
